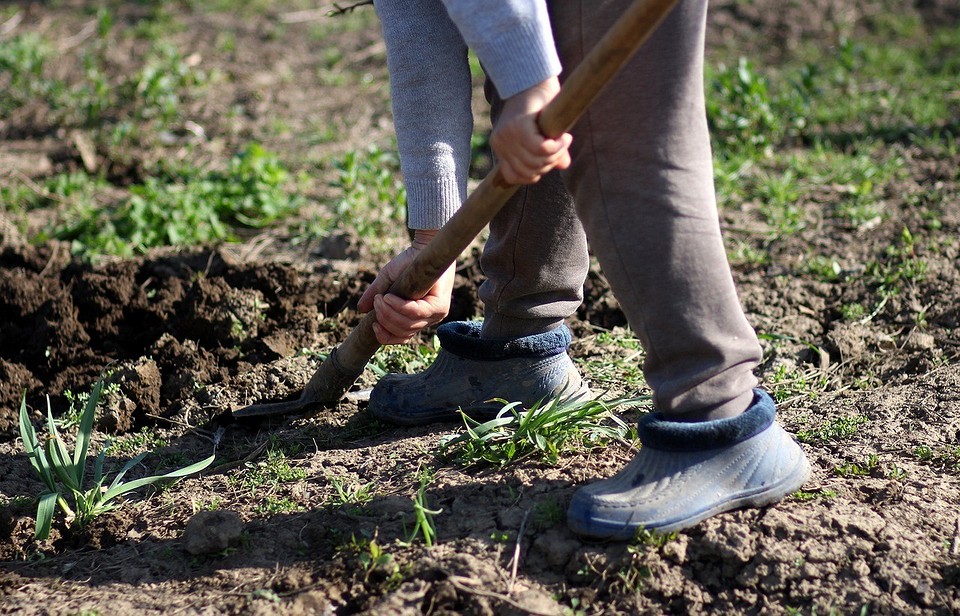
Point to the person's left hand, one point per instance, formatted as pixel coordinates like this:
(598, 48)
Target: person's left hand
(523, 153)
(399, 320)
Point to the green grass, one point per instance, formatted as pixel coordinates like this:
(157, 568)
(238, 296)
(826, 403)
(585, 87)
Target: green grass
(545, 431)
(652, 539)
(160, 86)
(178, 207)
(136, 442)
(22, 61)
(788, 384)
(620, 367)
(833, 430)
(272, 505)
(547, 513)
(804, 496)
(361, 19)
(822, 134)
(403, 358)
(898, 267)
(96, 95)
(373, 199)
(269, 473)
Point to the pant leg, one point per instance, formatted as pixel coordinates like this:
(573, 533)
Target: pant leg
(642, 179)
(535, 260)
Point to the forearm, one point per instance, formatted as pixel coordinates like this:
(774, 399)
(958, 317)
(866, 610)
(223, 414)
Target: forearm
(512, 38)
(431, 92)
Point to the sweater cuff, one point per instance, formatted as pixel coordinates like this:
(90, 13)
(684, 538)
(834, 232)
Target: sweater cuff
(432, 201)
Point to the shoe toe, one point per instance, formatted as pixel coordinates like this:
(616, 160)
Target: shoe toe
(667, 490)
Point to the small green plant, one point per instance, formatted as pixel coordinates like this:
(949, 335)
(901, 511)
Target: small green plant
(135, 442)
(376, 563)
(277, 504)
(631, 572)
(424, 525)
(158, 86)
(64, 472)
(804, 496)
(743, 253)
(900, 266)
(351, 495)
(209, 505)
(836, 429)
(652, 539)
(634, 570)
(375, 559)
(374, 201)
(947, 459)
(548, 513)
(778, 194)
(72, 416)
(546, 429)
(853, 312)
(826, 269)
(787, 384)
(857, 469)
(272, 471)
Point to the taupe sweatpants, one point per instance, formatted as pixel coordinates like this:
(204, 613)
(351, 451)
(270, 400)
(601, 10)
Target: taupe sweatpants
(640, 190)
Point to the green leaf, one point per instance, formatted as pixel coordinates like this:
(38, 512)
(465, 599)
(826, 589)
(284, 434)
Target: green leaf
(126, 467)
(86, 429)
(59, 455)
(59, 460)
(45, 510)
(30, 444)
(117, 490)
(98, 468)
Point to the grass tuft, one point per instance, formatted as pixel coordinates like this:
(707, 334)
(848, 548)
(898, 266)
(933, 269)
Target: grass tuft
(63, 472)
(546, 430)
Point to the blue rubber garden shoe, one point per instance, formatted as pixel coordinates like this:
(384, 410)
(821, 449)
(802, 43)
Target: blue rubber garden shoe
(687, 472)
(470, 373)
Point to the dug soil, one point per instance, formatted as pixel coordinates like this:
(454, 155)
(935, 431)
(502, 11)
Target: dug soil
(187, 336)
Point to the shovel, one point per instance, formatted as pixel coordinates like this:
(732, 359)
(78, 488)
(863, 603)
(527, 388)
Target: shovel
(344, 364)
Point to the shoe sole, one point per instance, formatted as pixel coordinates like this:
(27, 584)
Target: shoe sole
(607, 529)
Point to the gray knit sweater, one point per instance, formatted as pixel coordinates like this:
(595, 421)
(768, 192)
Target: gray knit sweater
(430, 85)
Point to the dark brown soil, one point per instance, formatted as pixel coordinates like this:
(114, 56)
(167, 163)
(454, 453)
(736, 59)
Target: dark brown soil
(189, 335)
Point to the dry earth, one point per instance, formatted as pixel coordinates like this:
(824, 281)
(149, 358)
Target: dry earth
(190, 335)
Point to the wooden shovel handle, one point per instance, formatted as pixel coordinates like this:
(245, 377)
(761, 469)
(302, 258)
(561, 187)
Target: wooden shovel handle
(579, 90)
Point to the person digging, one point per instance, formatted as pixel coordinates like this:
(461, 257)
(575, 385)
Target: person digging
(633, 181)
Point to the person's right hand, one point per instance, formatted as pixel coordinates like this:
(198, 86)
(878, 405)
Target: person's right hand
(523, 153)
(400, 320)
